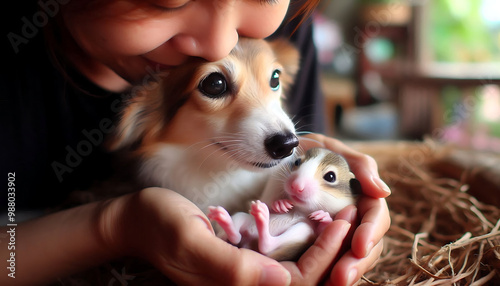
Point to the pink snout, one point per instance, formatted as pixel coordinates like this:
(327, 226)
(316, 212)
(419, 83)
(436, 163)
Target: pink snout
(300, 188)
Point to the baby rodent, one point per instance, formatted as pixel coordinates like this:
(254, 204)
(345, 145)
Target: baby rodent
(302, 201)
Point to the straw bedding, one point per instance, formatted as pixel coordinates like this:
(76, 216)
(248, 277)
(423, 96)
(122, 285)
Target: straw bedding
(445, 215)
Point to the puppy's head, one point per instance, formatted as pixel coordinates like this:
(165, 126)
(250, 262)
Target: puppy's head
(230, 108)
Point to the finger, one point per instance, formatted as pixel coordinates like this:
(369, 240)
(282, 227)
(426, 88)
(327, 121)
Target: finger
(311, 140)
(349, 213)
(377, 251)
(349, 269)
(317, 260)
(363, 166)
(375, 221)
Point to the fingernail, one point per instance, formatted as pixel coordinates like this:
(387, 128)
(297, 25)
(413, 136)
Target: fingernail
(351, 278)
(274, 275)
(368, 248)
(381, 185)
(353, 215)
(345, 229)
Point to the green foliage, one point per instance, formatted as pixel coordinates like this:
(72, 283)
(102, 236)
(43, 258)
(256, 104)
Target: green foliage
(459, 34)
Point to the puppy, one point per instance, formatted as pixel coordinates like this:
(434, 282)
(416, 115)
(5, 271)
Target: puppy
(212, 131)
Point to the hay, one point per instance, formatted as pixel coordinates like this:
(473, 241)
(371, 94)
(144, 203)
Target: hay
(440, 234)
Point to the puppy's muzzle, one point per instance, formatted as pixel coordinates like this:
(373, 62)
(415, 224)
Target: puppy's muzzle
(281, 145)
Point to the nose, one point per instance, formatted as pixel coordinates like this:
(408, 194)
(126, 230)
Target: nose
(219, 45)
(281, 145)
(296, 185)
(211, 37)
(297, 188)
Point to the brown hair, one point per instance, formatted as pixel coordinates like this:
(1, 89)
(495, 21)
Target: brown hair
(304, 10)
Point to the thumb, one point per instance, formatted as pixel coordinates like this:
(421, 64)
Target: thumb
(252, 268)
(244, 266)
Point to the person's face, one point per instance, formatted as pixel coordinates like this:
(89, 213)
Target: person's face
(162, 33)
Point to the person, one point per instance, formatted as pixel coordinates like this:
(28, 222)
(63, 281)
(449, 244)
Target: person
(67, 61)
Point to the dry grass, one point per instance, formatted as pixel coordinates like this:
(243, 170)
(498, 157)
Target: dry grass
(440, 233)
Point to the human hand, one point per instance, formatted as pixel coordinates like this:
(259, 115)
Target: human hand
(174, 235)
(366, 244)
(168, 230)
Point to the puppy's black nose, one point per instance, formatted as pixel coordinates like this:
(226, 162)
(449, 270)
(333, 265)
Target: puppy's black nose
(281, 145)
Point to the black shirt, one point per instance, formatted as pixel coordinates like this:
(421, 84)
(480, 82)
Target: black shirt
(51, 131)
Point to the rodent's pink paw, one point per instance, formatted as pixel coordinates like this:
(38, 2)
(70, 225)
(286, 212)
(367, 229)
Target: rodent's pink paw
(218, 214)
(260, 211)
(282, 206)
(321, 216)
(222, 217)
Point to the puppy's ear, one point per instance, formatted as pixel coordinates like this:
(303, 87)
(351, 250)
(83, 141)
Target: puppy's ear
(288, 56)
(152, 106)
(135, 119)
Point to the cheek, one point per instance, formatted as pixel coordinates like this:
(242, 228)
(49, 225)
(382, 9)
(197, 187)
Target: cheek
(118, 38)
(118, 29)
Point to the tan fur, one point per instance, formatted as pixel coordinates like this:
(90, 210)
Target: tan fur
(333, 162)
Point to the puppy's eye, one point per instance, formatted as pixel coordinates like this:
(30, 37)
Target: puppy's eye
(330, 177)
(275, 80)
(214, 85)
(298, 162)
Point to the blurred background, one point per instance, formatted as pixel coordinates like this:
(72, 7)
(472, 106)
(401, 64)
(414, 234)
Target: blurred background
(408, 69)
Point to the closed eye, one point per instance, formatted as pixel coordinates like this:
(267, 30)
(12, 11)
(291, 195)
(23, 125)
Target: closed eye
(170, 6)
(268, 2)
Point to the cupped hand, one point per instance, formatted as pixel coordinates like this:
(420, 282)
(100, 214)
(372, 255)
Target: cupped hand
(372, 212)
(169, 231)
(174, 235)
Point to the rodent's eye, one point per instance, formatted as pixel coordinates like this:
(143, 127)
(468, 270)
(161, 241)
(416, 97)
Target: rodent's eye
(295, 164)
(214, 85)
(330, 177)
(275, 80)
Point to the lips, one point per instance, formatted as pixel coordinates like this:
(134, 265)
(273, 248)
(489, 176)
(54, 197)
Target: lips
(297, 199)
(157, 65)
(264, 165)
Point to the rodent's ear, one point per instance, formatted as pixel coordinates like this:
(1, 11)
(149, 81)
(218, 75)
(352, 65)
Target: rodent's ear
(355, 187)
(288, 56)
